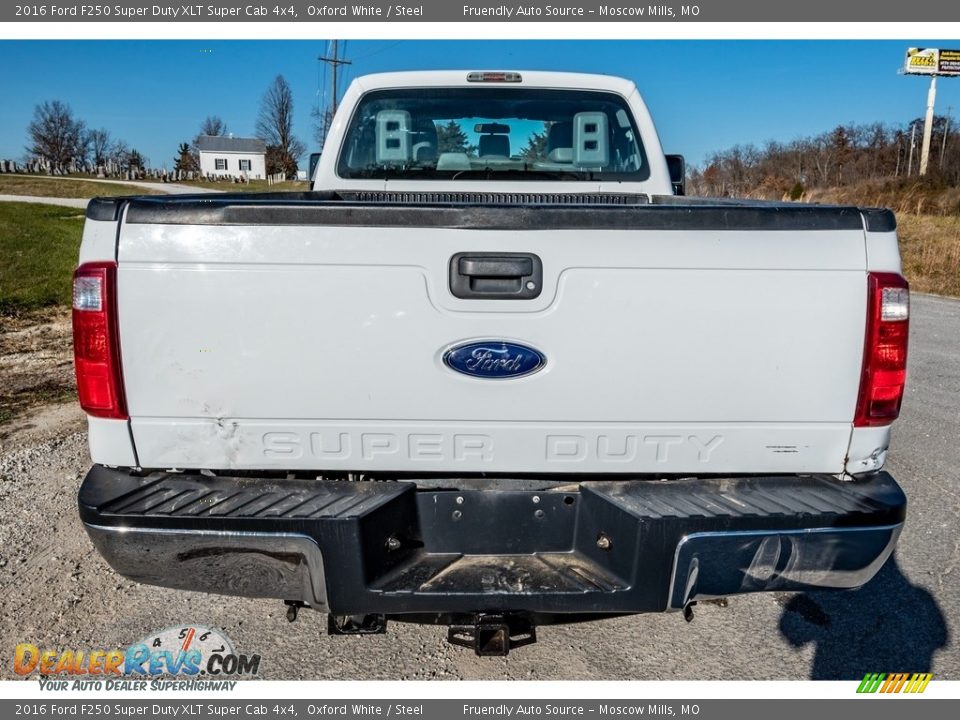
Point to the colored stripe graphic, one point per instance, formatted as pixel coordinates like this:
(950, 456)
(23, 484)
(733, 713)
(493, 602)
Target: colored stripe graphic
(918, 683)
(871, 682)
(894, 683)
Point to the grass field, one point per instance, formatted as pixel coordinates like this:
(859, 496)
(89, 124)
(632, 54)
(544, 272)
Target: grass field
(930, 247)
(39, 245)
(65, 188)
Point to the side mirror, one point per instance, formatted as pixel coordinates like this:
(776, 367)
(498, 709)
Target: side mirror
(677, 167)
(314, 161)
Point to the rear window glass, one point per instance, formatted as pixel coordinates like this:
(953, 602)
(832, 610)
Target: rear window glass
(492, 133)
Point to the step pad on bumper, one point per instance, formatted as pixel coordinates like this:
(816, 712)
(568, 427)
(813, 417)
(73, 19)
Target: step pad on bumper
(177, 496)
(389, 548)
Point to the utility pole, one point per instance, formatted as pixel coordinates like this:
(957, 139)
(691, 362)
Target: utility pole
(913, 141)
(928, 126)
(325, 116)
(946, 131)
(935, 63)
(335, 62)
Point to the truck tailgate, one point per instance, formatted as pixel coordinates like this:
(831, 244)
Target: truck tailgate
(675, 340)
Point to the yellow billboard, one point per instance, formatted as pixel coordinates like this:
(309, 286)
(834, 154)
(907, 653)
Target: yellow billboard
(932, 61)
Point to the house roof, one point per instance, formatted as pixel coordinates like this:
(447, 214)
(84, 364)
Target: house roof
(224, 143)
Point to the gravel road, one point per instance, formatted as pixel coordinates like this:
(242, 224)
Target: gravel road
(58, 593)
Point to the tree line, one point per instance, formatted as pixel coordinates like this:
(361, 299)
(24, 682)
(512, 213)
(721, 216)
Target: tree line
(845, 156)
(62, 140)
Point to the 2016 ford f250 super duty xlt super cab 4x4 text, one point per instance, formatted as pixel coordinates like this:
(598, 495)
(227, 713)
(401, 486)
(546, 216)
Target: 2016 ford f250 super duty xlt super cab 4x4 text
(493, 371)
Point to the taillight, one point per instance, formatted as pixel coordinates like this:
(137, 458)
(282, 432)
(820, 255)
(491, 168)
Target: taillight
(96, 345)
(885, 352)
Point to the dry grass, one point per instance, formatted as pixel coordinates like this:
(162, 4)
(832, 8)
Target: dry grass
(930, 247)
(41, 186)
(903, 197)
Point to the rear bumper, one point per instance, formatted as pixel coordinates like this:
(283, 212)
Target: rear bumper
(388, 548)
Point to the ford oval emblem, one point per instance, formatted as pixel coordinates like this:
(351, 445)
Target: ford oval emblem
(494, 359)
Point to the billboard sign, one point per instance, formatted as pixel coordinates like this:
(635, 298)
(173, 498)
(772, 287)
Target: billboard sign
(921, 61)
(949, 62)
(931, 61)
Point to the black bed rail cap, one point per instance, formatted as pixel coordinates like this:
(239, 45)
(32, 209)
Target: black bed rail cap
(879, 219)
(293, 210)
(105, 208)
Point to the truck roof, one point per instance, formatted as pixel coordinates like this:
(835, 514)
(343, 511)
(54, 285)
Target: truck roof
(530, 78)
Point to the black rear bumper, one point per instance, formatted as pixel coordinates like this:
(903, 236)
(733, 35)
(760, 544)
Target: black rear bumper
(388, 548)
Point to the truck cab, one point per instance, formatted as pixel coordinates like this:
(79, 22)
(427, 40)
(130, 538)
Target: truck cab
(513, 131)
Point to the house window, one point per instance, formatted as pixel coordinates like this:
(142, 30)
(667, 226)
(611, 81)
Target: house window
(220, 163)
(246, 166)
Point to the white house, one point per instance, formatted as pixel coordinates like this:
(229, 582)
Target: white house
(225, 155)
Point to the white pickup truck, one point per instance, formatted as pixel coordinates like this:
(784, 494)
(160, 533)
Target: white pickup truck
(492, 372)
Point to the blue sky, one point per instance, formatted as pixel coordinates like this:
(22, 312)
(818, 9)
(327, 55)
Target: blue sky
(704, 95)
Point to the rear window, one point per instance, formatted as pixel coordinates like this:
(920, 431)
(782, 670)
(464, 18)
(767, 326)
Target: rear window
(492, 133)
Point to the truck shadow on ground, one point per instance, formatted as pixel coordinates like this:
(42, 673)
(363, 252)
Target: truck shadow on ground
(889, 625)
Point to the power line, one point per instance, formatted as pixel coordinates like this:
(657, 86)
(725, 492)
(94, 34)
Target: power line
(334, 61)
(377, 51)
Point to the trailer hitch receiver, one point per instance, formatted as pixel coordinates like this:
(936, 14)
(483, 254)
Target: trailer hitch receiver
(493, 634)
(356, 624)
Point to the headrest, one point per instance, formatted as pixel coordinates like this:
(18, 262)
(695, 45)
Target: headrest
(424, 140)
(494, 145)
(393, 136)
(560, 135)
(424, 152)
(560, 142)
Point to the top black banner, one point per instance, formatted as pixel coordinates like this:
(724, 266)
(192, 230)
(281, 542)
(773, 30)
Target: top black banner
(474, 11)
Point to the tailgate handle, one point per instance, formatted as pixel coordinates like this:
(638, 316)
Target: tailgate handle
(496, 267)
(496, 276)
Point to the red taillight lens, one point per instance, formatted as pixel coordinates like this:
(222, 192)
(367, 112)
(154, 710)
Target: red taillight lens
(96, 346)
(885, 352)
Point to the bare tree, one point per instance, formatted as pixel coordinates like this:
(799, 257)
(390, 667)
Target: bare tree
(322, 119)
(120, 153)
(275, 127)
(849, 156)
(55, 134)
(213, 125)
(99, 143)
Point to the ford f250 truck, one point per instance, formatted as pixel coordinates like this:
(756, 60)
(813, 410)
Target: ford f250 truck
(493, 371)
